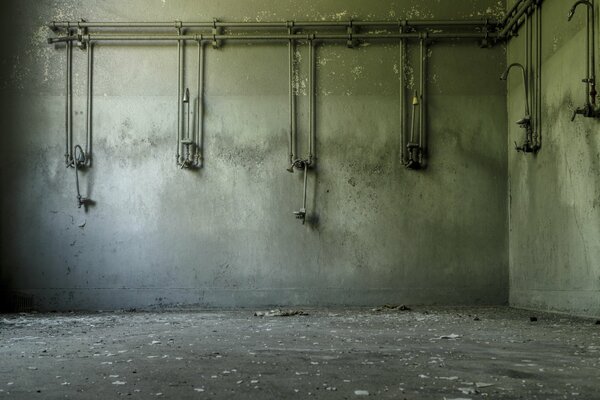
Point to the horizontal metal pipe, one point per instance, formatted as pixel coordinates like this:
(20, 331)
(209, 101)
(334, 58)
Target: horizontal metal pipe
(282, 37)
(276, 24)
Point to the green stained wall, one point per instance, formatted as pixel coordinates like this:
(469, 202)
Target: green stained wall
(226, 236)
(555, 196)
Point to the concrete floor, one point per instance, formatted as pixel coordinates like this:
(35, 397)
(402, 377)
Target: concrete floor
(426, 353)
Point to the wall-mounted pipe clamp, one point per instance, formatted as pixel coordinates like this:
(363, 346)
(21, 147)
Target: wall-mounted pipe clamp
(486, 43)
(351, 30)
(81, 32)
(216, 31)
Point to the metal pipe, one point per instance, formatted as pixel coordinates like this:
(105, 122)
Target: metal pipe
(304, 193)
(590, 47)
(292, 104)
(88, 128)
(402, 111)
(529, 69)
(539, 39)
(67, 78)
(79, 161)
(70, 102)
(283, 24)
(504, 77)
(515, 21)
(282, 37)
(200, 105)
(511, 11)
(179, 86)
(423, 107)
(311, 89)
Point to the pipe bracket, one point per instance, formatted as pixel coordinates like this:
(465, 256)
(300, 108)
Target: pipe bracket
(351, 30)
(216, 31)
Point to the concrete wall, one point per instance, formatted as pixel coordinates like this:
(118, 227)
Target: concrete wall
(226, 236)
(555, 196)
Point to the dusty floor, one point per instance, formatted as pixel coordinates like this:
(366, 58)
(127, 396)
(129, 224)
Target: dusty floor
(426, 353)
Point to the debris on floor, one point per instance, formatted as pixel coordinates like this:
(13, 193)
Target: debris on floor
(392, 307)
(451, 336)
(468, 390)
(533, 319)
(341, 353)
(279, 313)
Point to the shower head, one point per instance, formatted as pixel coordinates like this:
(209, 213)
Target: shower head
(186, 96)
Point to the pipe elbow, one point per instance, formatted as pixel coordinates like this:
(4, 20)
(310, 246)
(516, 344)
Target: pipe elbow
(577, 4)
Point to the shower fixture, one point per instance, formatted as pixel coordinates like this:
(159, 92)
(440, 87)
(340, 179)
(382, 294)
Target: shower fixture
(302, 163)
(189, 143)
(416, 147)
(413, 149)
(525, 122)
(590, 109)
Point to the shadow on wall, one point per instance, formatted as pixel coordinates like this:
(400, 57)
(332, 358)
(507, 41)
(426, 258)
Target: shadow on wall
(14, 302)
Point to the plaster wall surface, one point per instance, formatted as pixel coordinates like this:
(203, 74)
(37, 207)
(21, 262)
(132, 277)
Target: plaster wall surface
(555, 195)
(225, 235)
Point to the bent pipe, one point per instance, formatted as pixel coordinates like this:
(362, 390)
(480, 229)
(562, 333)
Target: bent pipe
(504, 77)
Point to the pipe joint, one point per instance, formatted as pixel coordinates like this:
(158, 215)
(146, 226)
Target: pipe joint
(351, 30)
(216, 30)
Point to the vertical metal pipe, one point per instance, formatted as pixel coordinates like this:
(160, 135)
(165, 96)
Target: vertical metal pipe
(311, 110)
(305, 187)
(200, 105)
(402, 111)
(423, 107)
(292, 104)
(587, 46)
(539, 41)
(88, 127)
(67, 100)
(179, 85)
(71, 150)
(593, 52)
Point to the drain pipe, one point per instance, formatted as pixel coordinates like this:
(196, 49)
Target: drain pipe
(589, 110)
